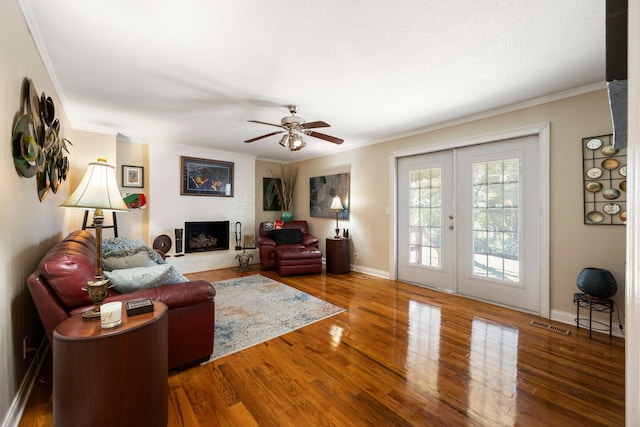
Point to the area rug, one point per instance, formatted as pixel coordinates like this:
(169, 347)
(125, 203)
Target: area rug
(254, 309)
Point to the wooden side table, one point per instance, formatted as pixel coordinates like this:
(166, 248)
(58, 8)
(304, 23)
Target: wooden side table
(338, 255)
(111, 377)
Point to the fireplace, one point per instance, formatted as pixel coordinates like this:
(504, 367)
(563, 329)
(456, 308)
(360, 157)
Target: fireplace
(203, 236)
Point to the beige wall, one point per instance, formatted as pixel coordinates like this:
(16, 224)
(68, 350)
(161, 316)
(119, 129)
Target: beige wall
(573, 245)
(135, 223)
(28, 227)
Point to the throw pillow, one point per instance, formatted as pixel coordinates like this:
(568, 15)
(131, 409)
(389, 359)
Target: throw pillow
(267, 226)
(121, 243)
(286, 236)
(277, 224)
(142, 256)
(131, 279)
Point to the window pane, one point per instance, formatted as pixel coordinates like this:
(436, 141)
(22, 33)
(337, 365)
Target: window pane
(425, 195)
(496, 219)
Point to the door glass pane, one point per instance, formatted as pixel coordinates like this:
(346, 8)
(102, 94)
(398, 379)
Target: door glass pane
(425, 195)
(496, 213)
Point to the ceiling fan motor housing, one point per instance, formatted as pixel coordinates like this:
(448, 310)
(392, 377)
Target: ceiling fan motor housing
(291, 121)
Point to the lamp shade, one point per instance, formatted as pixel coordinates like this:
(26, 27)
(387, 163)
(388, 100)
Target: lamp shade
(336, 204)
(597, 282)
(97, 190)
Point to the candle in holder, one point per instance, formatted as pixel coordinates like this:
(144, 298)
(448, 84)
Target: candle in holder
(111, 314)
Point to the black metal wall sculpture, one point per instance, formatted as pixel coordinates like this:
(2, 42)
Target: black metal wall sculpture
(38, 149)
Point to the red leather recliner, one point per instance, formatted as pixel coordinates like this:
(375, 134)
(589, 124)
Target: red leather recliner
(56, 288)
(267, 246)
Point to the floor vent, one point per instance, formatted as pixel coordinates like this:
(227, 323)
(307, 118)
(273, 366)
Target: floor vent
(548, 327)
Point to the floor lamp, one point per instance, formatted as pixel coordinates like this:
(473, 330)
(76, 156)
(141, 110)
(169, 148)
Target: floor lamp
(98, 191)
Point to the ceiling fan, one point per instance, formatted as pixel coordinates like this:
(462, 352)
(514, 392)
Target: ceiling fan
(294, 127)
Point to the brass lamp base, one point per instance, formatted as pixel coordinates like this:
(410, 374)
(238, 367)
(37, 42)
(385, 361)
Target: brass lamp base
(98, 291)
(92, 314)
(337, 233)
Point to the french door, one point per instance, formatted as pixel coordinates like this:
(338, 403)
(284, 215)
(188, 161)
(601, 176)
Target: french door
(469, 221)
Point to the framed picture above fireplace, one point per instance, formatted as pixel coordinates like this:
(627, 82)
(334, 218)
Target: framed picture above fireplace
(203, 177)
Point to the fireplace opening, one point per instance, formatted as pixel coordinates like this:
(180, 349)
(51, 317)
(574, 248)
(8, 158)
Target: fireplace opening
(203, 236)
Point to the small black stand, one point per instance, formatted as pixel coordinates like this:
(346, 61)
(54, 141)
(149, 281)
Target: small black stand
(602, 305)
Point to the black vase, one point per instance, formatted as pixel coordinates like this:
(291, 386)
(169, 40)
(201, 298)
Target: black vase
(597, 282)
(178, 232)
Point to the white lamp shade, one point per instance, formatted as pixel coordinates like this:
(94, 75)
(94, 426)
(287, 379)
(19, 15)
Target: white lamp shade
(336, 204)
(97, 190)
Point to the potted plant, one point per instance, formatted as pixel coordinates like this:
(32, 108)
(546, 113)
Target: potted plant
(287, 175)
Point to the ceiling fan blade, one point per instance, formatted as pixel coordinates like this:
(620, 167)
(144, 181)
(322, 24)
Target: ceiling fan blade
(263, 136)
(318, 124)
(264, 123)
(325, 137)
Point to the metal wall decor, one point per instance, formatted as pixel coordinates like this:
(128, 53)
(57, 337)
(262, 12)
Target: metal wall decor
(38, 149)
(605, 181)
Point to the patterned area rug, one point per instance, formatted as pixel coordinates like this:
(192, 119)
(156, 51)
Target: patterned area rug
(254, 309)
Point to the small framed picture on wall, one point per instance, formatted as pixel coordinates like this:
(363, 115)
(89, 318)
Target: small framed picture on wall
(132, 176)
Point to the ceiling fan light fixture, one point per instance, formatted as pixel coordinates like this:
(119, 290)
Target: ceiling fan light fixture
(296, 143)
(284, 140)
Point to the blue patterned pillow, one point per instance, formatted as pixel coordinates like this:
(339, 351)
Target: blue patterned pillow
(121, 243)
(131, 279)
(142, 256)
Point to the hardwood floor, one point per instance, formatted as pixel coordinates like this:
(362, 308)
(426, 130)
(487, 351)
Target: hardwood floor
(399, 356)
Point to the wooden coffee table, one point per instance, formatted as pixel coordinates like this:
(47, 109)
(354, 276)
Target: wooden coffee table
(111, 377)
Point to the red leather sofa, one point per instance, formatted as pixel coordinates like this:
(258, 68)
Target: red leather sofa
(56, 288)
(302, 254)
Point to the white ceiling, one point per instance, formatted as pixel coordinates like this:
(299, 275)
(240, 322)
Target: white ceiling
(194, 71)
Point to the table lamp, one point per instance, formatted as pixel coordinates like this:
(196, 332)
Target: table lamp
(98, 191)
(336, 205)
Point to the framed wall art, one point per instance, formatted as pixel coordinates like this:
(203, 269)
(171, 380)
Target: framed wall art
(605, 181)
(322, 191)
(203, 177)
(132, 176)
(270, 199)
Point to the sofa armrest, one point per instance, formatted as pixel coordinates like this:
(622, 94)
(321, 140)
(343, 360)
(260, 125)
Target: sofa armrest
(308, 239)
(266, 241)
(173, 295)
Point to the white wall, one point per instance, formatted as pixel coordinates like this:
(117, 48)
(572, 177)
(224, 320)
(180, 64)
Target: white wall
(168, 209)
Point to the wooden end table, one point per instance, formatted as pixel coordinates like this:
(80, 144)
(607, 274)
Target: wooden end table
(111, 377)
(338, 255)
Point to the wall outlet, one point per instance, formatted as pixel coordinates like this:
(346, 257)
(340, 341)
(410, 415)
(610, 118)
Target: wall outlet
(356, 255)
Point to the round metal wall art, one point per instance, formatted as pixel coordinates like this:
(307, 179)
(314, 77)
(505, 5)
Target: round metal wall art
(37, 146)
(593, 186)
(604, 181)
(611, 193)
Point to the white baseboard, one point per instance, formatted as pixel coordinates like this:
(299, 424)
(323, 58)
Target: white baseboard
(570, 319)
(20, 401)
(371, 271)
